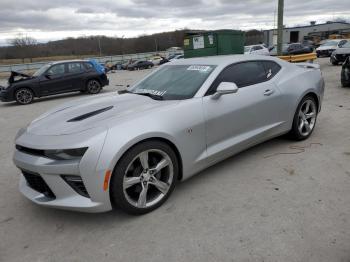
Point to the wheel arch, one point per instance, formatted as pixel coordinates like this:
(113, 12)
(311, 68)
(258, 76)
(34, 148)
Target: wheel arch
(92, 78)
(164, 140)
(26, 87)
(314, 96)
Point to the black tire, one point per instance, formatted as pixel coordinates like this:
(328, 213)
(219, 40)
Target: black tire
(333, 62)
(295, 132)
(93, 86)
(119, 196)
(24, 96)
(345, 85)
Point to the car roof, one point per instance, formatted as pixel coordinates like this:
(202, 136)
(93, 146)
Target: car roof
(334, 40)
(253, 45)
(223, 60)
(67, 61)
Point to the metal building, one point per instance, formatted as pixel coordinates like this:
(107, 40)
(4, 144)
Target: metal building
(300, 33)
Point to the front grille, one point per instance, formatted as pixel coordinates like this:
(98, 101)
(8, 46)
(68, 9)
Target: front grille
(36, 182)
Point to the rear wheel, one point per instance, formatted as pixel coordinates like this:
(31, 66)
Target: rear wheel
(93, 86)
(144, 177)
(304, 119)
(24, 96)
(344, 85)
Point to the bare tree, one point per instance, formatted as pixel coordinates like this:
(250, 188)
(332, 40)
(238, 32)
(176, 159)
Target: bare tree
(24, 45)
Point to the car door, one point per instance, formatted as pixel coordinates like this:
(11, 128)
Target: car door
(140, 64)
(298, 49)
(292, 49)
(53, 81)
(75, 76)
(257, 50)
(236, 121)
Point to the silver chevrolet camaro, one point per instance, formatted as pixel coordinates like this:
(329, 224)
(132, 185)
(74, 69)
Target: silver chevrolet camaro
(129, 150)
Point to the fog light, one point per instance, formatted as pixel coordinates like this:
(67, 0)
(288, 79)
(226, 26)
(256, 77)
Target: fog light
(76, 182)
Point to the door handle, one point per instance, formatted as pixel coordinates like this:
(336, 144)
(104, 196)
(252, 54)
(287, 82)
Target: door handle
(269, 92)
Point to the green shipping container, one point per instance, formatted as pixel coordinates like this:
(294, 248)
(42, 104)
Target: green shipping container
(220, 42)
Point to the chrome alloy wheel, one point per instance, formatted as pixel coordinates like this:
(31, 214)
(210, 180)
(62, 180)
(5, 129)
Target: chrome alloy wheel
(148, 178)
(93, 86)
(24, 96)
(307, 117)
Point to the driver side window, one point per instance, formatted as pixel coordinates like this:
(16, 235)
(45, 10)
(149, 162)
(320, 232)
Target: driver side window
(56, 70)
(242, 74)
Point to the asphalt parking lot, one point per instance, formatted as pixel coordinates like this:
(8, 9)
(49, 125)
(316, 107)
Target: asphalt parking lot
(279, 201)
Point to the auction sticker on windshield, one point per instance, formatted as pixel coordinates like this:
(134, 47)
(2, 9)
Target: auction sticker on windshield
(200, 68)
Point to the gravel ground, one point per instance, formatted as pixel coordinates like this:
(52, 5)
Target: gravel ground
(279, 201)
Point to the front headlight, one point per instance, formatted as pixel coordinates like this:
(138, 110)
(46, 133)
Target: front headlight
(66, 154)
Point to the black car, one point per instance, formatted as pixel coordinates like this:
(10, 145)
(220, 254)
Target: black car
(292, 49)
(345, 73)
(163, 61)
(340, 54)
(55, 78)
(140, 64)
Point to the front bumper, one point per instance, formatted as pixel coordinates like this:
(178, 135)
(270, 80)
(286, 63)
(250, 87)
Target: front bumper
(345, 76)
(340, 57)
(327, 52)
(49, 172)
(4, 95)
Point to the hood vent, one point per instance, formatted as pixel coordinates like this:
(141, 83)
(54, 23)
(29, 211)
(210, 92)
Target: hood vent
(91, 114)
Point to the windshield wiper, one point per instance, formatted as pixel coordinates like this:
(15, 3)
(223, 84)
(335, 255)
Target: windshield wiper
(125, 91)
(153, 96)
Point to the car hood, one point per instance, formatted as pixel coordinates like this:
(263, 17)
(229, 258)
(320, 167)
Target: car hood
(17, 77)
(343, 50)
(80, 115)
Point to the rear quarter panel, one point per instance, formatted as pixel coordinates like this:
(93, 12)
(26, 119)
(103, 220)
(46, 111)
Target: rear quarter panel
(295, 83)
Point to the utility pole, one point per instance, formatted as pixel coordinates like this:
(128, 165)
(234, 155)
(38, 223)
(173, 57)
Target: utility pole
(156, 44)
(280, 27)
(99, 45)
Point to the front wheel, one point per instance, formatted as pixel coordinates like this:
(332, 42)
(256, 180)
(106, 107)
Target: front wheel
(333, 61)
(144, 177)
(93, 86)
(304, 119)
(24, 96)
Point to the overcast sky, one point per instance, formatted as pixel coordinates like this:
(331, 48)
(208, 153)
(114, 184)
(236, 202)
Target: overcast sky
(50, 20)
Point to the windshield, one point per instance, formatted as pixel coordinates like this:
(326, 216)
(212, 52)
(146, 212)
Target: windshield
(42, 70)
(175, 82)
(346, 45)
(330, 43)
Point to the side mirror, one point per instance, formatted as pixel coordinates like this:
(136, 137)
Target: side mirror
(225, 88)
